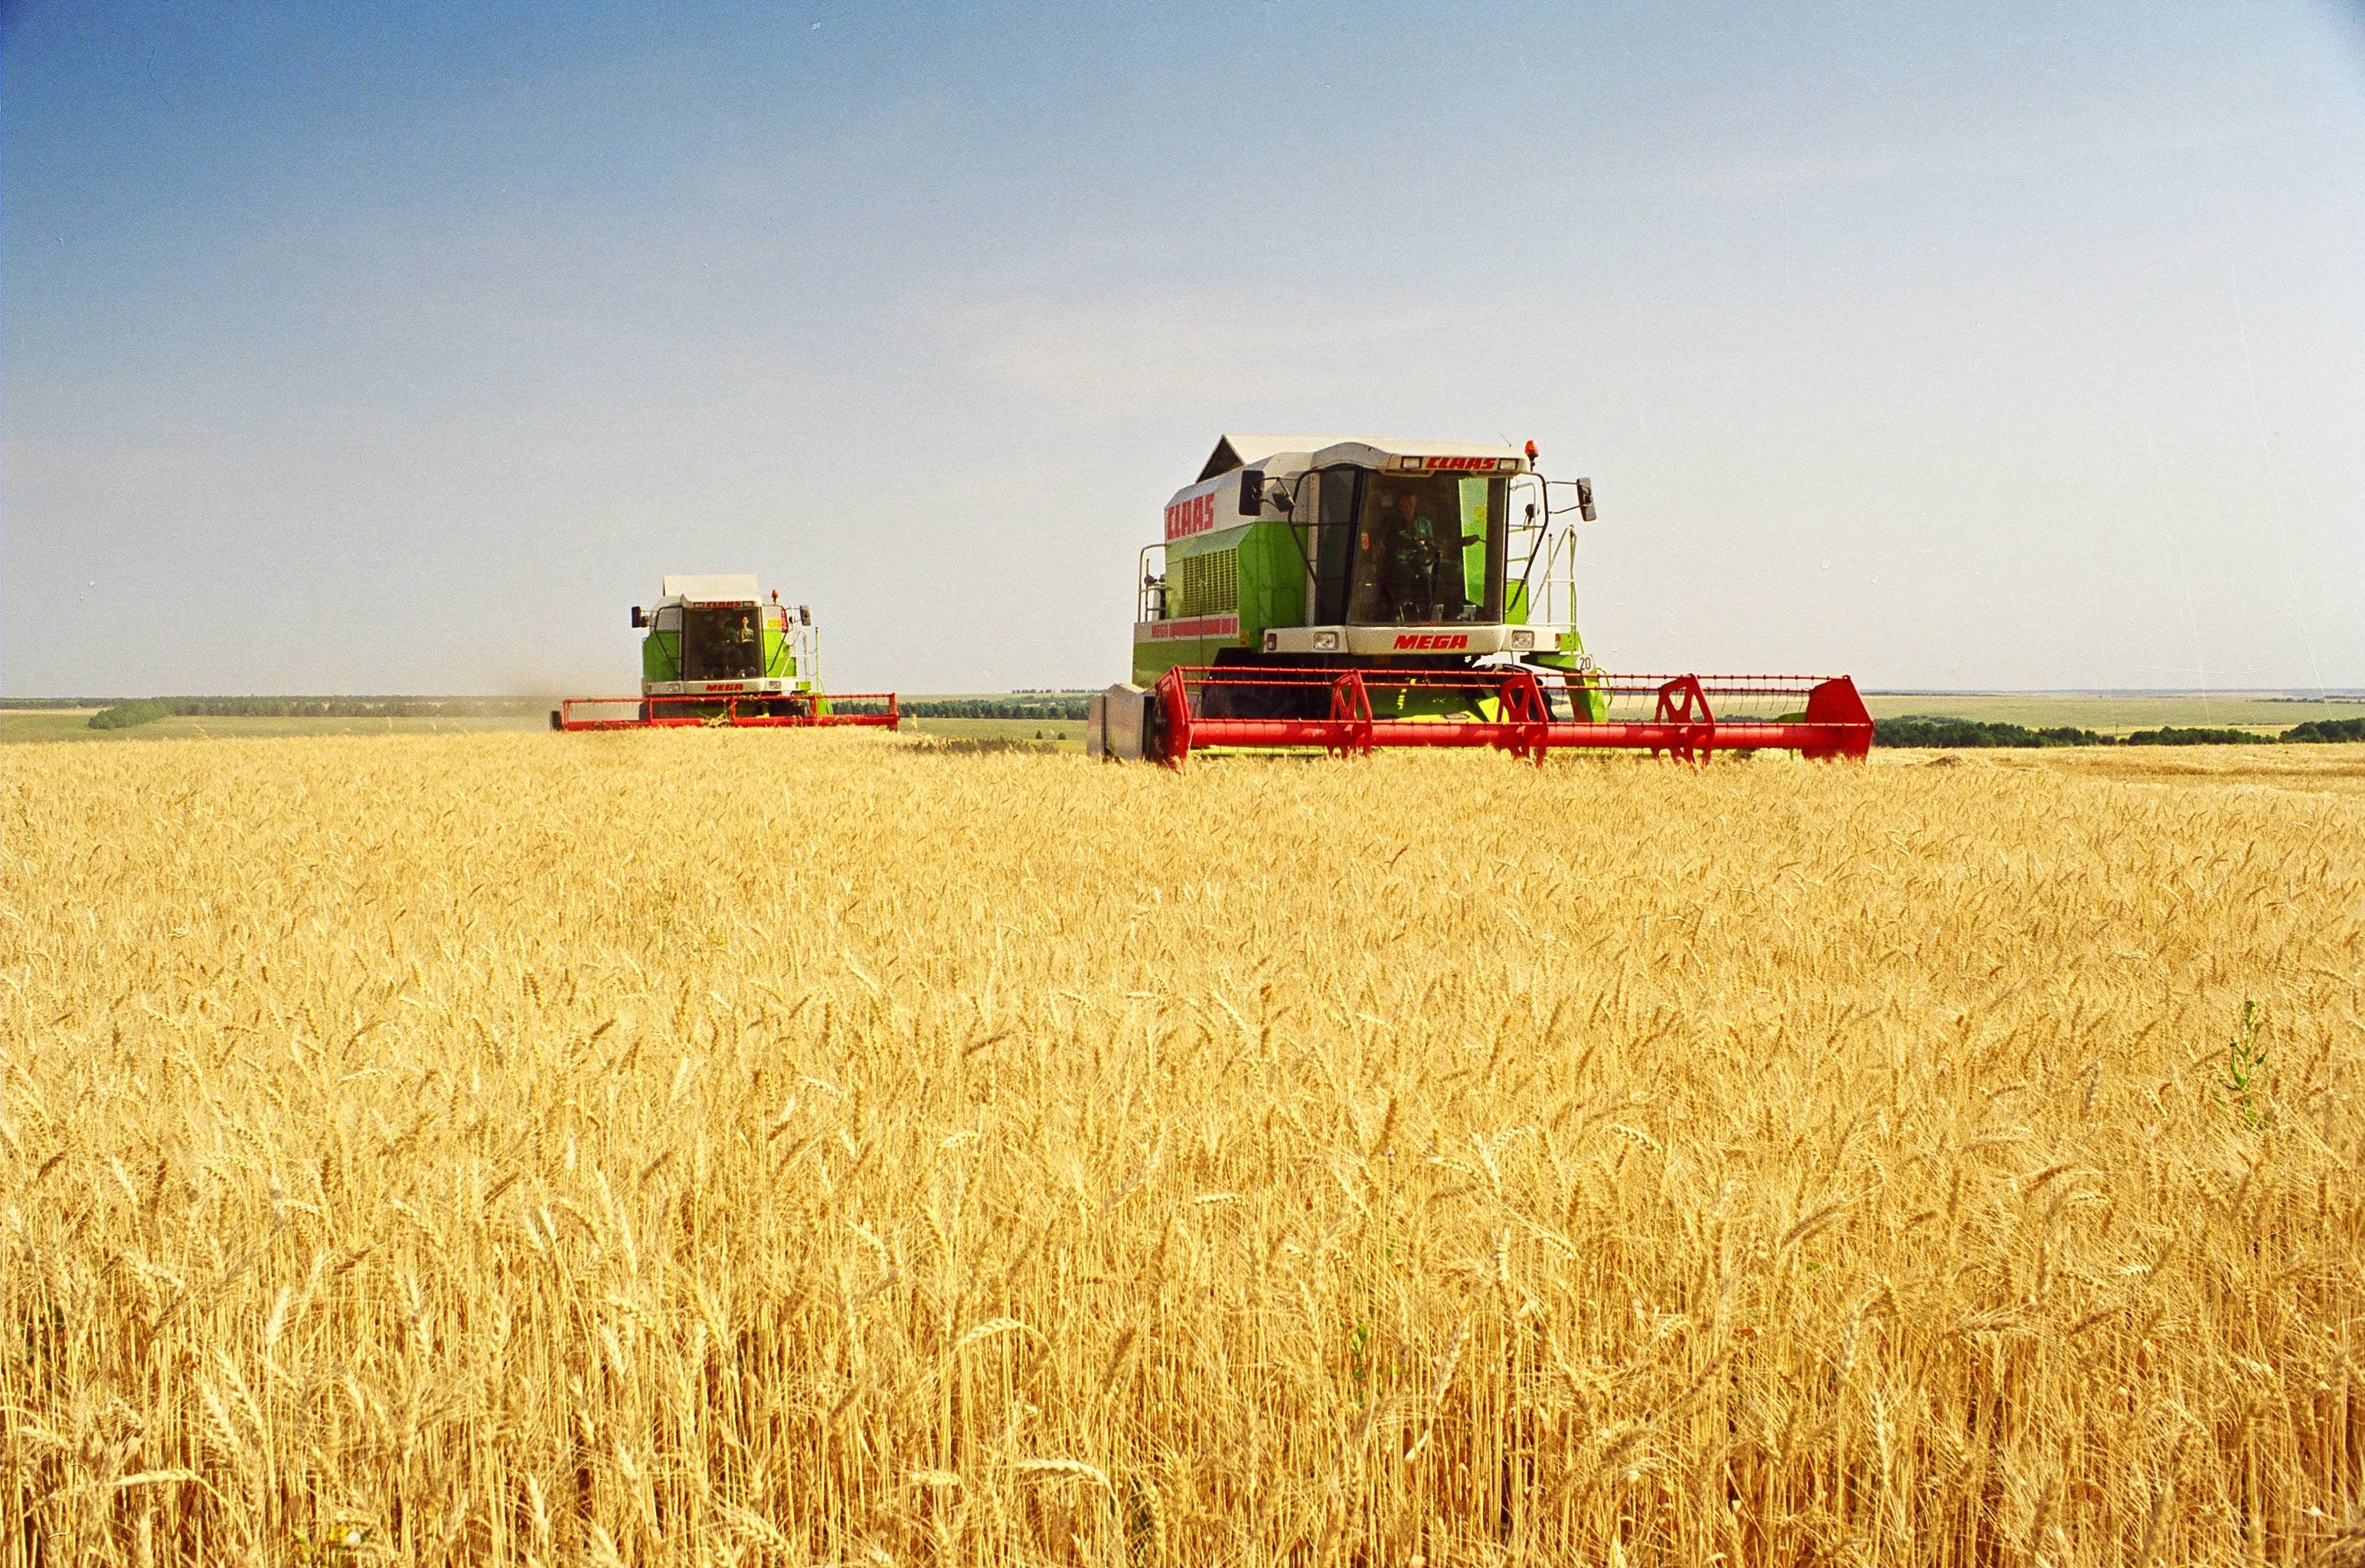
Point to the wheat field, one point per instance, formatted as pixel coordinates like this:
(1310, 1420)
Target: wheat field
(744, 1147)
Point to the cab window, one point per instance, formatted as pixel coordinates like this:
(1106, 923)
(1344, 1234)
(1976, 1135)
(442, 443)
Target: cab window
(1429, 548)
(1334, 539)
(723, 642)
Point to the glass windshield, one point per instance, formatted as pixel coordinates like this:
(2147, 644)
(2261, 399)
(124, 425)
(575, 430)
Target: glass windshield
(721, 643)
(1428, 548)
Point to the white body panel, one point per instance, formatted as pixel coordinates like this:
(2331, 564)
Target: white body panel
(1369, 641)
(1383, 452)
(772, 686)
(709, 588)
(1288, 454)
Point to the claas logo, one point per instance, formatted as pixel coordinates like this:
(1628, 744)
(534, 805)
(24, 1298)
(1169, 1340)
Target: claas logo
(1444, 464)
(1432, 642)
(1195, 515)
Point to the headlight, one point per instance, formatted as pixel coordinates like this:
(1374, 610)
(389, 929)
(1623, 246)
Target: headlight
(1272, 642)
(1326, 642)
(1523, 639)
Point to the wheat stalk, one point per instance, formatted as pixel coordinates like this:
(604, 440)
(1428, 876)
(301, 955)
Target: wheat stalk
(525, 1148)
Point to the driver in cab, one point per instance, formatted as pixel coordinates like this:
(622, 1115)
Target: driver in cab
(1406, 546)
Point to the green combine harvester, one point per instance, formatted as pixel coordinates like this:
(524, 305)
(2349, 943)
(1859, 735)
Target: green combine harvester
(1351, 592)
(719, 653)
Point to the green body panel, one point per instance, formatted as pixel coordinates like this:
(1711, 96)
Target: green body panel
(1272, 581)
(1254, 571)
(660, 657)
(1266, 581)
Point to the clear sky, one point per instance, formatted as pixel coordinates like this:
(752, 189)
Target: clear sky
(354, 348)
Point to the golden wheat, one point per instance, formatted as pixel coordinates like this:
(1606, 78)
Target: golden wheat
(713, 1147)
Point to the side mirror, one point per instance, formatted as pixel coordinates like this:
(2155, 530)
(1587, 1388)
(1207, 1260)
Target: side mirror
(1252, 492)
(640, 616)
(1279, 499)
(1531, 511)
(1584, 499)
(804, 614)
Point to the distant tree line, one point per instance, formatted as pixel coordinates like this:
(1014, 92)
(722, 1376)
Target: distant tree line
(1938, 732)
(2322, 729)
(146, 710)
(1063, 705)
(2181, 735)
(123, 715)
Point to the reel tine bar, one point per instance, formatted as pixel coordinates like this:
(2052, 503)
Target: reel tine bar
(1529, 712)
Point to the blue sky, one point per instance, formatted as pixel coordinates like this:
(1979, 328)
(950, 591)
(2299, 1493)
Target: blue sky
(1979, 346)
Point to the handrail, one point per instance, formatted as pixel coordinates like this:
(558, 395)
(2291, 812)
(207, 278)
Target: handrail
(1145, 585)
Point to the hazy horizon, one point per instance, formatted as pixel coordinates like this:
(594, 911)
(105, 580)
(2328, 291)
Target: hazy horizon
(2271, 693)
(364, 350)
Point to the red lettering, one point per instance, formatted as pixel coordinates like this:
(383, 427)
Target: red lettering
(1195, 515)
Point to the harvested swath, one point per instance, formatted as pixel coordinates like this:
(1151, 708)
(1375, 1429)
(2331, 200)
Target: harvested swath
(520, 1147)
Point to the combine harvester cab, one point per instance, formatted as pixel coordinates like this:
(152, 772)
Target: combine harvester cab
(719, 653)
(1347, 593)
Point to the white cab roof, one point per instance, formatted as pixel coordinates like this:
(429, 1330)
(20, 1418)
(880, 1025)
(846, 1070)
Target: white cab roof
(711, 588)
(1288, 453)
(1238, 449)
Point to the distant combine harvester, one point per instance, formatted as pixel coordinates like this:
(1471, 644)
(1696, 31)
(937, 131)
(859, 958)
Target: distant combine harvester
(719, 652)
